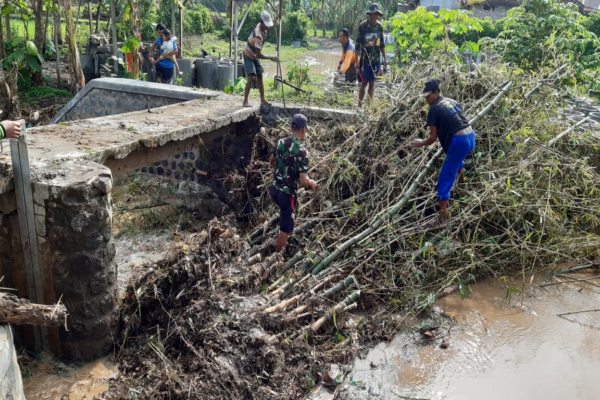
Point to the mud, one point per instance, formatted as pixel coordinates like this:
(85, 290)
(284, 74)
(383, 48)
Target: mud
(497, 348)
(48, 379)
(323, 63)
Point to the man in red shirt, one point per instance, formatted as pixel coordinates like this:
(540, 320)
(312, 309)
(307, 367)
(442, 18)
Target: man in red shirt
(252, 55)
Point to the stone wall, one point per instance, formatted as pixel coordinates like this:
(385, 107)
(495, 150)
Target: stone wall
(11, 386)
(74, 221)
(208, 161)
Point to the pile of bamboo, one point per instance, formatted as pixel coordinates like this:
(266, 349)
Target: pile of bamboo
(227, 318)
(530, 200)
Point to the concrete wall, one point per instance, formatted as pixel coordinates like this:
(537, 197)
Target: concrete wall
(447, 4)
(11, 386)
(493, 13)
(110, 96)
(73, 165)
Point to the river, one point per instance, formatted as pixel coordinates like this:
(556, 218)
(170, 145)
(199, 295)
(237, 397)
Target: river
(498, 349)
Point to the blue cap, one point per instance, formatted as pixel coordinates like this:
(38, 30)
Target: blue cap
(432, 85)
(299, 121)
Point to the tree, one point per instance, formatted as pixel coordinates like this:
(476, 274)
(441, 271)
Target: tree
(420, 33)
(78, 80)
(38, 12)
(548, 33)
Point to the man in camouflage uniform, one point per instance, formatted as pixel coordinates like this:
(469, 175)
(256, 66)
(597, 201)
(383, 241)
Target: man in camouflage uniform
(290, 161)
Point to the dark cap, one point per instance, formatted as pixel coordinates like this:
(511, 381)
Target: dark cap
(374, 9)
(432, 85)
(299, 121)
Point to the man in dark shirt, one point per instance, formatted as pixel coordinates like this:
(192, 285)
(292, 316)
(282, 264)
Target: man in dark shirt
(448, 125)
(290, 161)
(372, 48)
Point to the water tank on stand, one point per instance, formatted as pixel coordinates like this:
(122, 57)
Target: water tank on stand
(240, 70)
(196, 80)
(210, 80)
(225, 73)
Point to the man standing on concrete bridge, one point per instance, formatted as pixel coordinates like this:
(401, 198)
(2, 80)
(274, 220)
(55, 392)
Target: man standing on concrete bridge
(290, 161)
(252, 56)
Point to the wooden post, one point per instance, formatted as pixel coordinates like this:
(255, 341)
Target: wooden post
(173, 18)
(90, 18)
(180, 32)
(113, 25)
(29, 244)
(232, 33)
(235, 6)
(56, 37)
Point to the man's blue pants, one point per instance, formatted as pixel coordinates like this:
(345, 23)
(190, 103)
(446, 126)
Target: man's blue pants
(460, 147)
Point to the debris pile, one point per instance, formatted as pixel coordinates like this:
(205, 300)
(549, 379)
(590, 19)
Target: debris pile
(225, 318)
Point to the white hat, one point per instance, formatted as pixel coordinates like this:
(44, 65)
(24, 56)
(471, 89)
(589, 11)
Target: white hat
(265, 17)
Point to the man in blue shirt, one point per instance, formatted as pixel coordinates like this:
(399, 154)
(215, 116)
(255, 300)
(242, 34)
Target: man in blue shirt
(448, 125)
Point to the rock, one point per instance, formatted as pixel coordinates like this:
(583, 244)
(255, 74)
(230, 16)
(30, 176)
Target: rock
(201, 199)
(333, 376)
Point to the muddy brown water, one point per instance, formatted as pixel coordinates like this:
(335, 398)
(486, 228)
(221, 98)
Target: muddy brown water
(322, 63)
(51, 380)
(497, 349)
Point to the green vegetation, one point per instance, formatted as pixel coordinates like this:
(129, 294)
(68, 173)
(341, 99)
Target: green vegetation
(547, 34)
(421, 33)
(538, 34)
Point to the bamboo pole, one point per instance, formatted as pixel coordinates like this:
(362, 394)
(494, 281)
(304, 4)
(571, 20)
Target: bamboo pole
(567, 131)
(336, 310)
(381, 218)
(289, 264)
(283, 305)
(348, 282)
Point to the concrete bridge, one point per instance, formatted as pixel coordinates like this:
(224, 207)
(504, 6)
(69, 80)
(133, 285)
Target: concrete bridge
(127, 126)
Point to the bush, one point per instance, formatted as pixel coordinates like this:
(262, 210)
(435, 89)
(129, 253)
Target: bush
(421, 33)
(25, 55)
(149, 21)
(593, 24)
(295, 25)
(546, 33)
(298, 74)
(489, 29)
(198, 20)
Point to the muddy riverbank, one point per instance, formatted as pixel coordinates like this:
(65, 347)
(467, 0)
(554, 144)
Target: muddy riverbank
(485, 346)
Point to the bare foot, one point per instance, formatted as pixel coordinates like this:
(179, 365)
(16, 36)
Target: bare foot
(246, 104)
(264, 103)
(461, 176)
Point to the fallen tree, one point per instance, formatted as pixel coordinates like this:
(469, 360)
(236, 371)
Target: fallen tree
(17, 311)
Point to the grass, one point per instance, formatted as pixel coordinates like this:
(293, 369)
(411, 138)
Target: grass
(20, 28)
(216, 45)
